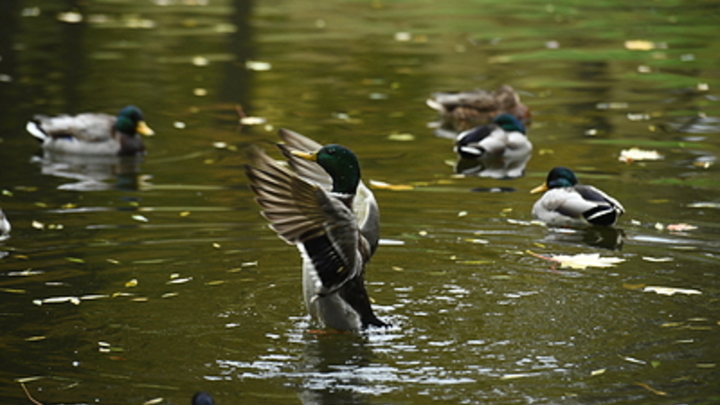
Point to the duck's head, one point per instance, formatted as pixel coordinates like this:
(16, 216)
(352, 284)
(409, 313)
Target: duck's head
(130, 121)
(509, 123)
(340, 163)
(558, 177)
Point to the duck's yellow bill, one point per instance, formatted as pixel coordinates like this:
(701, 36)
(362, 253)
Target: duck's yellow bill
(143, 129)
(539, 189)
(305, 155)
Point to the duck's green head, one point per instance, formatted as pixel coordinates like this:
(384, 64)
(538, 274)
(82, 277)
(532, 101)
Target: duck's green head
(558, 177)
(340, 163)
(509, 123)
(130, 121)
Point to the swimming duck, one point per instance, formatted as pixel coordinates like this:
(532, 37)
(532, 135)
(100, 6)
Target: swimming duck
(4, 226)
(498, 150)
(468, 109)
(567, 203)
(323, 208)
(92, 133)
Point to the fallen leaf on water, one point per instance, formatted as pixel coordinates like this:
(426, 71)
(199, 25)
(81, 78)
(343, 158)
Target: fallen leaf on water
(633, 360)
(581, 260)
(657, 259)
(140, 218)
(70, 17)
(704, 205)
(257, 65)
(681, 227)
(671, 290)
(598, 372)
(401, 137)
(132, 283)
(35, 338)
(13, 290)
(253, 120)
(636, 154)
(179, 280)
(643, 45)
(38, 225)
(514, 376)
(75, 260)
(651, 389)
(381, 185)
(154, 401)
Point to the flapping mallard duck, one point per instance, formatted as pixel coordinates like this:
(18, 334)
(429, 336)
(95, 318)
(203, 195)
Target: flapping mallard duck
(468, 109)
(92, 133)
(498, 150)
(567, 203)
(324, 209)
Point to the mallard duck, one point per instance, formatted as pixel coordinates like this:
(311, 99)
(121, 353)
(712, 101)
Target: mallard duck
(468, 109)
(498, 150)
(92, 133)
(4, 226)
(567, 203)
(324, 209)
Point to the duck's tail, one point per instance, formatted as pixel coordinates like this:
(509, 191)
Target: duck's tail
(33, 127)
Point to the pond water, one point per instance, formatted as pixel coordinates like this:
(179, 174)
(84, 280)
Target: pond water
(144, 281)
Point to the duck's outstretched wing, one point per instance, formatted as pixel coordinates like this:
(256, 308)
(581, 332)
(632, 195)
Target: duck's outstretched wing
(365, 208)
(305, 214)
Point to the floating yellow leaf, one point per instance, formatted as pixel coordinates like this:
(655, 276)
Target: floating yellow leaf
(184, 213)
(216, 245)
(643, 45)
(38, 225)
(253, 120)
(581, 261)
(401, 137)
(154, 401)
(13, 290)
(75, 260)
(381, 185)
(598, 372)
(35, 338)
(132, 283)
(257, 65)
(671, 290)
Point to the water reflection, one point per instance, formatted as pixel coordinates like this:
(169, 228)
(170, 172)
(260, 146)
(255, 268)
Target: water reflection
(94, 173)
(330, 369)
(596, 236)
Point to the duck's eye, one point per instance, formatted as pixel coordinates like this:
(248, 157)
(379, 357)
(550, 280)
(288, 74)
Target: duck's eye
(331, 151)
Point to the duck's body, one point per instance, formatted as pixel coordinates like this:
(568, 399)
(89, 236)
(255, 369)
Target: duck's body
(465, 110)
(4, 226)
(332, 218)
(92, 133)
(569, 204)
(500, 149)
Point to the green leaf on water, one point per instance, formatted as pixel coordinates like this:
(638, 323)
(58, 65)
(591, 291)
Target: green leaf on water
(75, 260)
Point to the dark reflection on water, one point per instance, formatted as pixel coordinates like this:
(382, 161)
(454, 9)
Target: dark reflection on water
(93, 173)
(126, 281)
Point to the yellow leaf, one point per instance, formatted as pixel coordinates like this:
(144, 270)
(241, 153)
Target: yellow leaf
(381, 185)
(132, 283)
